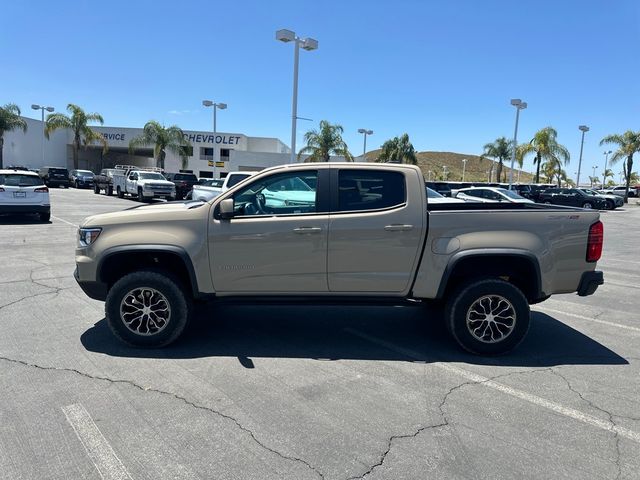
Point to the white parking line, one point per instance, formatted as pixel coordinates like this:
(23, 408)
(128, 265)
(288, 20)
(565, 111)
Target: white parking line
(62, 220)
(589, 319)
(534, 399)
(98, 449)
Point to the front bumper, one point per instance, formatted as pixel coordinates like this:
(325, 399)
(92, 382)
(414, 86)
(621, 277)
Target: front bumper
(95, 290)
(589, 283)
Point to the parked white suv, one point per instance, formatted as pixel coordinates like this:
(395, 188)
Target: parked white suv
(24, 192)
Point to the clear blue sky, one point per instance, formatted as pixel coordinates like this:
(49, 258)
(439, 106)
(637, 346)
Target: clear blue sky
(442, 71)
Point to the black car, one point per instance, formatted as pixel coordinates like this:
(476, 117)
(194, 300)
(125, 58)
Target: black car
(536, 189)
(442, 188)
(523, 190)
(572, 197)
(81, 178)
(55, 176)
(184, 182)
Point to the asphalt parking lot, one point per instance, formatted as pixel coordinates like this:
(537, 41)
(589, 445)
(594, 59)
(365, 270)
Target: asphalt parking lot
(308, 392)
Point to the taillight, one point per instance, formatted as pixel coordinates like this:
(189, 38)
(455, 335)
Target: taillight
(42, 189)
(594, 244)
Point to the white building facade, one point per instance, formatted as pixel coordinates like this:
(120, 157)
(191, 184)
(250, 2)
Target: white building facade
(208, 155)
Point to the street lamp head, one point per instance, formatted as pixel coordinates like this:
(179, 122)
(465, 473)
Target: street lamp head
(522, 106)
(207, 103)
(285, 35)
(222, 106)
(365, 131)
(35, 107)
(310, 44)
(607, 153)
(361, 130)
(516, 102)
(584, 128)
(50, 109)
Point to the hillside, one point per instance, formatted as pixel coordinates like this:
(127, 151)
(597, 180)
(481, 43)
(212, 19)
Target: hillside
(475, 171)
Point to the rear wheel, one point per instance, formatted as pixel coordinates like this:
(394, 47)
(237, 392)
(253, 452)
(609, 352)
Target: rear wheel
(119, 192)
(96, 189)
(147, 309)
(75, 184)
(488, 317)
(109, 190)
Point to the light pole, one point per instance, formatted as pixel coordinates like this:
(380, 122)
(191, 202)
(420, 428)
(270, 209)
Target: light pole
(520, 105)
(365, 132)
(593, 175)
(221, 106)
(444, 173)
(604, 172)
(308, 44)
(429, 172)
(584, 129)
(42, 108)
(464, 164)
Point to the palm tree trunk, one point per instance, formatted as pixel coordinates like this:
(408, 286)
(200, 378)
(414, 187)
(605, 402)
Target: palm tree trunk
(75, 155)
(1, 150)
(538, 168)
(499, 176)
(629, 167)
(160, 160)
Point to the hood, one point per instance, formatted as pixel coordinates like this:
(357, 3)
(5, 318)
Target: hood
(166, 211)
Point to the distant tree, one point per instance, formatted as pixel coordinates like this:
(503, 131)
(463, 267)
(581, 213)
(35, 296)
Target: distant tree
(77, 122)
(10, 119)
(500, 150)
(635, 178)
(593, 180)
(547, 149)
(398, 150)
(162, 139)
(628, 143)
(323, 143)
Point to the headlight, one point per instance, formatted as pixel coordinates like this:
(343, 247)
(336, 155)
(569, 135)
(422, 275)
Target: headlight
(86, 236)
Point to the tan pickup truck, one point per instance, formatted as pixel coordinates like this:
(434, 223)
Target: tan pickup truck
(337, 231)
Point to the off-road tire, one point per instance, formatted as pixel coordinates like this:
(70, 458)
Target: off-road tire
(459, 307)
(179, 303)
(109, 190)
(96, 189)
(119, 192)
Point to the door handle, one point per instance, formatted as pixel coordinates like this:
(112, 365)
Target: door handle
(398, 228)
(303, 230)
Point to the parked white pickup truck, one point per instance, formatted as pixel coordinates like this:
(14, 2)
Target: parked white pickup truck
(143, 183)
(205, 192)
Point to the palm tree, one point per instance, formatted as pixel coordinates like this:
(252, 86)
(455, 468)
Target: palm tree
(500, 149)
(324, 143)
(546, 147)
(398, 150)
(77, 122)
(162, 139)
(10, 119)
(553, 170)
(628, 144)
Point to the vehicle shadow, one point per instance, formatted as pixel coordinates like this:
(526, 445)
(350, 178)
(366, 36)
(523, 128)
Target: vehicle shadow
(351, 332)
(25, 219)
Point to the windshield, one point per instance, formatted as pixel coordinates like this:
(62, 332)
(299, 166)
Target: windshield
(18, 180)
(433, 194)
(150, 176)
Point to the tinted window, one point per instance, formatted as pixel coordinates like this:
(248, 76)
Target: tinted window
(235, 179)
(185, 176)
(266, 197)
(17, 180)
(370, 190)
(58, 170)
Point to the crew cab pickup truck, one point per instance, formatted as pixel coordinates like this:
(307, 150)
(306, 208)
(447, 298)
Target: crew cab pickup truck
(206, 192)
(144, 184)
(104, 180)
(369, 234)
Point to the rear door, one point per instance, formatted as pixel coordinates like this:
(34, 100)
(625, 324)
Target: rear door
(375, 229)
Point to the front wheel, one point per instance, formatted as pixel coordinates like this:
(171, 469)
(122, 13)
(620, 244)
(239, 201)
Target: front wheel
(119, 192)
(140, 195)
(610, 205)
(96, 189)
(109, 190)
(488, 317)
(75, 184)
(587, 206)
(147, 309)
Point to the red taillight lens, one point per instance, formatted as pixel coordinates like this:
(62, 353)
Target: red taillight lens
(594, 245)
(42, 189)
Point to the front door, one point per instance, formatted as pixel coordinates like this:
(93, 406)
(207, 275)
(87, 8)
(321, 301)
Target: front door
(375, 231)
(277, 240)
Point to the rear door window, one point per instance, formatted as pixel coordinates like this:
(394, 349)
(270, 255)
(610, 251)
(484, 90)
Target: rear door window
(370, 190)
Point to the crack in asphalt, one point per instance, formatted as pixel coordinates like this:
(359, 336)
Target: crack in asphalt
(175, 396)
(616, 437)
(445, 423)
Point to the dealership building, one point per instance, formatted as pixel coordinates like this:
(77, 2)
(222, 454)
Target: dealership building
(207, 154)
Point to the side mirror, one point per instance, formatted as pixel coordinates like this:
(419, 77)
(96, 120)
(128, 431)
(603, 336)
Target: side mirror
(227, 209)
